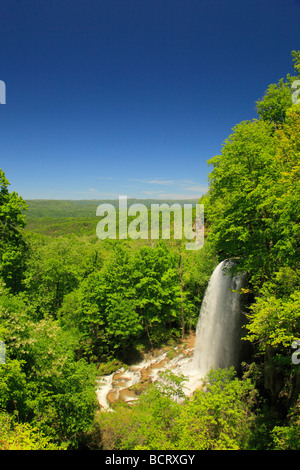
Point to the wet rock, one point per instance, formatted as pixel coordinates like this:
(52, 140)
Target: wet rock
(126, 385)
(112, 396)
(127, 395)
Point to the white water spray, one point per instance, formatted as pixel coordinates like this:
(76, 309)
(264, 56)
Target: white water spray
(218, 333)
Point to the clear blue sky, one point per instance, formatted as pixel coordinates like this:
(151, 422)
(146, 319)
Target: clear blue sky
(132, 97)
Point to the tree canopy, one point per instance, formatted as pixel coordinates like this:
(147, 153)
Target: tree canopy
(12, 244)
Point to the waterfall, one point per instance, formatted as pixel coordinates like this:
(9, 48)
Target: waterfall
(218, 333)
(217, 343)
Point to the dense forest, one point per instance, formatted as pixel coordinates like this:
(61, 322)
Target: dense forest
(73, 306)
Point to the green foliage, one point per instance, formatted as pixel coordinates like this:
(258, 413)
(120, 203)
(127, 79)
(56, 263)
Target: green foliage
(148, 425)
(84, 209)
(254, 195)
(64, 403)
(12, 245)
(109, 366)
(42, 380)
(12, 386)
(241, 223)
(101, 313)
(55, 267)
(277, 100)
(122, 322)
(296, 60)
(275, 103)
(62, 226)
(134, 297)
(275, 315)
(156, 291)
(220, 416)
(23, 436)
(287, 437)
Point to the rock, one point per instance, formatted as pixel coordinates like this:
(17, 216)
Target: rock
(112, 396)
(127, 395)
(125, 384)
(118, 375)
(121, 383)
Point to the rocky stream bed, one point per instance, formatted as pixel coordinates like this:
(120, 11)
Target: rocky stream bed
(127, 384)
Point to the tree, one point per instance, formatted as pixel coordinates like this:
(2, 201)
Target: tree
(103, 308)
(253, 203)
(287, 437)
(147, 425)
(252, 211)
(12, 244)
(123, 322)
(284, 196)
(240, 221)
(55, 268)
(220, 416)
(195, 270)
(12, 386)
(273, 106)
(157, 291)
(278, 97)
(23, 436)
(42, 381)
(275, 319)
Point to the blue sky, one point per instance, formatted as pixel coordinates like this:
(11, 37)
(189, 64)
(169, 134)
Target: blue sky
(132, 97)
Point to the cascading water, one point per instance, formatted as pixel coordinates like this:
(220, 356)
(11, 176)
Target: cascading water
(218, 333)
(217, 343)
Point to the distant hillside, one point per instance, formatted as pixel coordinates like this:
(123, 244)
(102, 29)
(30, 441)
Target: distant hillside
(65, 217)
(61, 226)
(51, 208)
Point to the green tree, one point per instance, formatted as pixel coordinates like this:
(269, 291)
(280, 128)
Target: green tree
(148, 425)
(60, 391)
(55, 268)
(12, 244)
(273, 106)
(42, 380)
(278, 97)
(136, 294)
(157, 291)
(275, 314)
(103, 308)
(220, 416)
(287, 436)
(196, 270)
(123, 322)
(23, 436)
(240, 221)
(12, 386)
(253, 203)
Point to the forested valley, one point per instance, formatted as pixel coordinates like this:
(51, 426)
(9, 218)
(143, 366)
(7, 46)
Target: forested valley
(73, 307)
